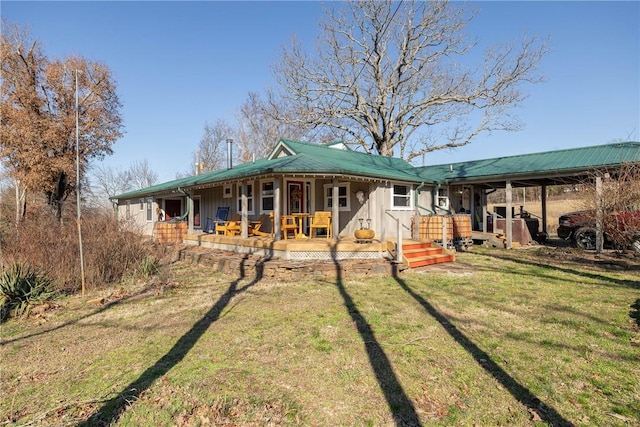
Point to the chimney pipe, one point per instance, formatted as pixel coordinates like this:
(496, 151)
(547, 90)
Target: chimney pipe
(229, 153)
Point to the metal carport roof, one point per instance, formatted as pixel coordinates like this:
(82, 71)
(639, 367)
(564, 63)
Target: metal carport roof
(546, 168)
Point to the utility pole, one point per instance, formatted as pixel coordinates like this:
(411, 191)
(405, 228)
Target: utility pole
(78, 220)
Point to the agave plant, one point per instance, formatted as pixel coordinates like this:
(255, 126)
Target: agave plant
(149, 266)
(21, 288)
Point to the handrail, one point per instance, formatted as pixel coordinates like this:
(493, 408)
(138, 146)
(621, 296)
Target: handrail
(399, 236)
(442, 209)
(397, 219)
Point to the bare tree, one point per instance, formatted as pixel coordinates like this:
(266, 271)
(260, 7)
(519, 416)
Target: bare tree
(108, 182)
(37, 106)
(262, 122)
(212, 150)
(141, 175)
(21, 200)
(19, 195)
(392, 74)
(258, 131)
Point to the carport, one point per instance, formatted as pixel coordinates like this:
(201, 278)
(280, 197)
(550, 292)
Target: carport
(559, 167)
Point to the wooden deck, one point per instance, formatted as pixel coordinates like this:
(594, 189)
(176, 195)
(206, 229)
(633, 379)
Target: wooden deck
(320, 248)
(346, 248)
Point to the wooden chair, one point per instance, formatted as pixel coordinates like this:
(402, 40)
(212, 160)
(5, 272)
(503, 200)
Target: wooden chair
(288, 225)
(231, 227)
(254, 226)
(221, 216)
(321, 219)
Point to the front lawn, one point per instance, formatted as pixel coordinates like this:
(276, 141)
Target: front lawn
(521, 337)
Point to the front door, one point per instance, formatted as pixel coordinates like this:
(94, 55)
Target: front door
(173, 208)
(295, 197)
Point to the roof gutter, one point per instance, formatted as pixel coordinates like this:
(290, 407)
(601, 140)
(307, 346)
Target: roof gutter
(186, 213)
(416, 194)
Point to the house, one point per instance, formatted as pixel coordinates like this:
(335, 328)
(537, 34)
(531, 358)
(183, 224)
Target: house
(361, 190)
(296, 177)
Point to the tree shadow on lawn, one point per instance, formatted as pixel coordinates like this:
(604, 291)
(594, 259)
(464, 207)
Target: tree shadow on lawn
(112, 410)
(105, 307)
(534, 405)
(401, 407)
(635, 313)
(634, 284)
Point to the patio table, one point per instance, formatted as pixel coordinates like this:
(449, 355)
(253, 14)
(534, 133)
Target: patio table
(300, 220)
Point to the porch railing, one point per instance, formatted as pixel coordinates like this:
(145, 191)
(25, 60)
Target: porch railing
(399, 226)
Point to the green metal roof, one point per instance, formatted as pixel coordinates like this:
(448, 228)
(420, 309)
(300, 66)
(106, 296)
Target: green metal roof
(302, 158)
(316, 158)
(551, 163)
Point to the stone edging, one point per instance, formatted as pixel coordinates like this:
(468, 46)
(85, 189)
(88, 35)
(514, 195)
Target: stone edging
(277, 268)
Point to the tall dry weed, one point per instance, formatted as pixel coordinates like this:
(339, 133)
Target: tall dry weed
(110, 248)
(620, 203)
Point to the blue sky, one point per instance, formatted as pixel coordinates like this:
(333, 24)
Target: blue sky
(179, 64)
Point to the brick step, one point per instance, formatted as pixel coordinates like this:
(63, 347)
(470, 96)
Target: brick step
(430, 260)
(417, 245)
(418, 252)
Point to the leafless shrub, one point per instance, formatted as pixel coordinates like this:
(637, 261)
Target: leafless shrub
(111, 249)
(620, 203)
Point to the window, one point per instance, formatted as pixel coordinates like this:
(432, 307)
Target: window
(249, 198)
(402, 199)
(266, 196)
(443, 199)
(149, 209)
(141, 204)
(226, 191)
(127, 212)
(344, 202)
(196, 211)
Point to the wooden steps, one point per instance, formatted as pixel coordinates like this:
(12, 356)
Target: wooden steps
(418, 254)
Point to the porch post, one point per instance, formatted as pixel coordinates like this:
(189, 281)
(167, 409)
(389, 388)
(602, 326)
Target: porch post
(509, 220)
(244, 203)
(544, 208)
(599, 216)
(276, 208)
(484, 211)
(190, 216)
(472, 204)
(335, 209)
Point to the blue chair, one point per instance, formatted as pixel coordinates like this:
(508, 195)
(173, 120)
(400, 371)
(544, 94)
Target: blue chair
(221, 217)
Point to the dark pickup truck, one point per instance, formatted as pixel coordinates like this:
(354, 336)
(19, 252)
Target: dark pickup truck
(620, 229)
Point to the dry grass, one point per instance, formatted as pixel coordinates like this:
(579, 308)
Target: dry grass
(110, 249)
(498, 338)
